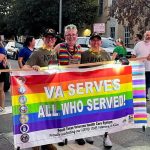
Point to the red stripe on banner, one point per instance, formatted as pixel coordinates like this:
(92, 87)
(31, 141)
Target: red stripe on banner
(33, 88)
(71, 76)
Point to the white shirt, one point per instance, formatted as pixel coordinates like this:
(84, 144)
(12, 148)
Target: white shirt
(142, 49)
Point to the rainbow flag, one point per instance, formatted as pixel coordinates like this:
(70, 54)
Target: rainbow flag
(71, 103)
(139, 93)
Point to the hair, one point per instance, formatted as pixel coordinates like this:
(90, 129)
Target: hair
(28, 40)
(71, 27)
(121, 42)
(139, 36)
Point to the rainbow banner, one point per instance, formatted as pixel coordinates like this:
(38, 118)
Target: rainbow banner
(58, 103)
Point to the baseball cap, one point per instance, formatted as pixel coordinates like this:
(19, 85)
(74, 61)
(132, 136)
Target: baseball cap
(95, 35)
(49, 32)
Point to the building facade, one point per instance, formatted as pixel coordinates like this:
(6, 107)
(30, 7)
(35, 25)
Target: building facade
(112, 28)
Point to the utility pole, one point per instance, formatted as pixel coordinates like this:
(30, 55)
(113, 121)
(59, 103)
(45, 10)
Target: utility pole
(60, 16)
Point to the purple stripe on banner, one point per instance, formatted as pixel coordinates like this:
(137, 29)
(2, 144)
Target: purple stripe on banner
(50, 124)
(135, 82)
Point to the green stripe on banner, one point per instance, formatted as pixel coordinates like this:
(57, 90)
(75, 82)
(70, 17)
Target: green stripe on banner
(33, 108)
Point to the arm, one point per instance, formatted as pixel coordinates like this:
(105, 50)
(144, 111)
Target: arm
(20, 59)
(115, 53)
(32, 62)
(57, 48)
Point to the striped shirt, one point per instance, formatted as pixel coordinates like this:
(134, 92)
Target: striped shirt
(66, 57)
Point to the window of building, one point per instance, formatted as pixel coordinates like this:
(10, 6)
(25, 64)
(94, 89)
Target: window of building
(112, 32)
(100, 7)
(127, 35)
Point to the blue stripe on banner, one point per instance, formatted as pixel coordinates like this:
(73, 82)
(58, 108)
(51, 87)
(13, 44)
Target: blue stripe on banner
(82, 119)
(139, 96)
(140, 121)
(34, 116)
(138, 73)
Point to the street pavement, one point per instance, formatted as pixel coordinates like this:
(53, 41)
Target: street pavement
(132, 139)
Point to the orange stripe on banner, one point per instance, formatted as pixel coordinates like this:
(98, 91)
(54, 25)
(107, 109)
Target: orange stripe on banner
(68, 76)
(34, 88)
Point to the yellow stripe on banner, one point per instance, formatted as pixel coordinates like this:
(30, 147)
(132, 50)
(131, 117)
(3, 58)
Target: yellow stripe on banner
(42, 97)
(140, 119)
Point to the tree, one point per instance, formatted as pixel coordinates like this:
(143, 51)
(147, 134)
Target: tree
(34, 16)
(4, 7)
(132, 12)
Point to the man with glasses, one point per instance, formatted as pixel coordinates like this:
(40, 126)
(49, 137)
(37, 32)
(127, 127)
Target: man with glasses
(43, 57)
(96, 54)
(70, 53)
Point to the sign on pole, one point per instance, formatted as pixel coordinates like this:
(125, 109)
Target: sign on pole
(99, 27)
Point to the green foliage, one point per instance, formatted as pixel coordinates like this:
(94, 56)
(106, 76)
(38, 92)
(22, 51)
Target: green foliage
(34, 16)
(134, 12)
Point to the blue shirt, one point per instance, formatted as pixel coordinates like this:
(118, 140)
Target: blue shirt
(25, 53)
(2, 50)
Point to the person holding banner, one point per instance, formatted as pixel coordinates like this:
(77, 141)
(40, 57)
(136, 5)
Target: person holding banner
(42, 58)
(96, 54)
(142, 50)
(3, 62)
(45, 55)
(70, 53)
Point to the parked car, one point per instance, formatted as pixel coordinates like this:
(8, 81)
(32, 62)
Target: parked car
(107, 43)
(12, 49)
(38, 43)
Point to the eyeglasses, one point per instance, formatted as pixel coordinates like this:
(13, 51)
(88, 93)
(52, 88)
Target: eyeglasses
(49, 38)
(71, 35)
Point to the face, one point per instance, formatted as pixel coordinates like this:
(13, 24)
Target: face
(71, 37)
(117, 43)
(136, 38)
(49, 41)
(95, 43)
(2, 56)
(147, 36)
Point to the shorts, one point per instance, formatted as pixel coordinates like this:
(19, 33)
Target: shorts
(2, 74)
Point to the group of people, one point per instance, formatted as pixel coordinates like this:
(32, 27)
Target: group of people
(67, 53)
